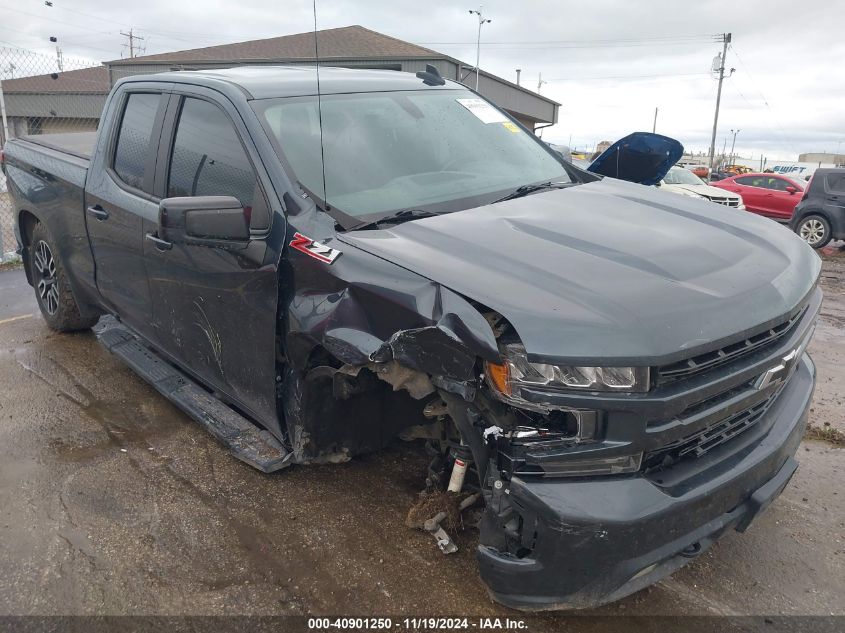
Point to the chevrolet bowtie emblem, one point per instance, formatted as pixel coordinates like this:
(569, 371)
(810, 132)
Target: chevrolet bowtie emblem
(777, 374)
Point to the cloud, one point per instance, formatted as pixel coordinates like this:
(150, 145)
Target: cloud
(602, 60)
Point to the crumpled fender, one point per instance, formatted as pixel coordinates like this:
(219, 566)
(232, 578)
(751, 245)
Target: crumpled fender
(362, 309)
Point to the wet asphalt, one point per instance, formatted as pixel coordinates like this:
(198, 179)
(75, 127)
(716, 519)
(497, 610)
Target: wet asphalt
(114, 502)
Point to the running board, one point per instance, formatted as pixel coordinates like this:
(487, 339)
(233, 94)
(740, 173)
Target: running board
(245, 440)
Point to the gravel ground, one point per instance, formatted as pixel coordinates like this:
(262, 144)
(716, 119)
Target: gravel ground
(113, 502)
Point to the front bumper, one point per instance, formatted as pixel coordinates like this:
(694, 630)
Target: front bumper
(593, 541)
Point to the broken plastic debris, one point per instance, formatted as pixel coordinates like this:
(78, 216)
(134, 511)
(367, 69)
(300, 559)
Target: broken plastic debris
(495, 431)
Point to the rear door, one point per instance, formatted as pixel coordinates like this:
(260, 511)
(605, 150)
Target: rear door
(215, 308)
(834, 193)
(753, 191)
(119, 198)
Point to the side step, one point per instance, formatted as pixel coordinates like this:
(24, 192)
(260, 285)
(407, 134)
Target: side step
(245, 440)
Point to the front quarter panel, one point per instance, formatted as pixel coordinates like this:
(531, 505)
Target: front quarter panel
(362, 308)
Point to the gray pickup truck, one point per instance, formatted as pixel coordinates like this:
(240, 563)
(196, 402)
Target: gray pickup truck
(617, 376)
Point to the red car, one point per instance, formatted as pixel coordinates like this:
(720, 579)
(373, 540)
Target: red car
(771, 195)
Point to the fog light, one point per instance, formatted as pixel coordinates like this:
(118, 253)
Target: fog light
(595, 466)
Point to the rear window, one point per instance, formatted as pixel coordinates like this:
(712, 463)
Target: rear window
(752, 181)
(133, 140)
(836, 183)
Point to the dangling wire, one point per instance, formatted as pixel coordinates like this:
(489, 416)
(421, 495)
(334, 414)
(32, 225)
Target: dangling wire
(320, 107)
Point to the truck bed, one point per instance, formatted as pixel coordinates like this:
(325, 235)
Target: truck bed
(79, 144)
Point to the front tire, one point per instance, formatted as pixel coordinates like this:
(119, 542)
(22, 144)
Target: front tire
(815, 230)
(52, 287)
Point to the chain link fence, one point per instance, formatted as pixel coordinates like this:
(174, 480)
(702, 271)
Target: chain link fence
(43, 94)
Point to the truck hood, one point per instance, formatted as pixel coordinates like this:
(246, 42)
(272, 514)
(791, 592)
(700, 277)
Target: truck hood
(641, 157)
(609, 272)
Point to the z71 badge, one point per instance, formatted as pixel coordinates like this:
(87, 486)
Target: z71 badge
(306, 245)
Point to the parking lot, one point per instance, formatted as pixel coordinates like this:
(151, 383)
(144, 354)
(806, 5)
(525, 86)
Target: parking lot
(114, 502)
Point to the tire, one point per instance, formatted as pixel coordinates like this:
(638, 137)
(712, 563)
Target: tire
(52, 288)
(815, 230)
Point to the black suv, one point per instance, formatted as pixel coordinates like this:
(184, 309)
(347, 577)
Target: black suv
(820, 216)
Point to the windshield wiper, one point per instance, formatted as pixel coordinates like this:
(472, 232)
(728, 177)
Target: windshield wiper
(395, 218)
(524, 190)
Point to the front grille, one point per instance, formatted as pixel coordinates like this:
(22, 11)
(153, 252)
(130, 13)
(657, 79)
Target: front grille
(715, 358)
(727, 201)
(706, 439)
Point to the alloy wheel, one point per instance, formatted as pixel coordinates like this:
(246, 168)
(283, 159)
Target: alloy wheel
(812, 231)
(48, 285)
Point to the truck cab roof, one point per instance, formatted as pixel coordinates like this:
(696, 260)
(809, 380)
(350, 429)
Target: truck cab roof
(265, 82)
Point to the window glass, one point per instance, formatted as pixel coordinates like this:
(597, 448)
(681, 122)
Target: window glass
(133, 141)
(778, 184)
(386, 151)
(752, 181)
(209, 160)
(681, 176)
(836, 183)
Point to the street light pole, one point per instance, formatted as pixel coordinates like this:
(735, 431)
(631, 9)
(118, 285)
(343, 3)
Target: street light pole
(481, 22)
(733, 143)
(726, 39)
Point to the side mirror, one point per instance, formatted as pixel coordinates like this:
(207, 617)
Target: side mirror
(203, 220)
(791, 190)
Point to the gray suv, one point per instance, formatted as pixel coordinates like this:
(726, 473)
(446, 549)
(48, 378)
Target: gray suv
(820, 216)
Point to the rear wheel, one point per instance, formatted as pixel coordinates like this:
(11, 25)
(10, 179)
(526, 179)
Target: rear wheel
(52, 288)
(815, 230)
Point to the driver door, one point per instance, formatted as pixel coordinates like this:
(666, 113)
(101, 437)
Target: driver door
(214, 305)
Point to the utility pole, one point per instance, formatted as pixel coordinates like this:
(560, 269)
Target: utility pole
(481, 21)
(733, 144)
(132, 37)
(10, 69)
(726, 39)
(654, 127)
(518, 71)
(540, 83)
(3, 116)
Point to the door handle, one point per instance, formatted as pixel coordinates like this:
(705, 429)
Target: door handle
(98, 212)
(161, 244)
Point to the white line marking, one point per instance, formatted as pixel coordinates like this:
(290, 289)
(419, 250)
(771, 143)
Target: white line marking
(17, 318)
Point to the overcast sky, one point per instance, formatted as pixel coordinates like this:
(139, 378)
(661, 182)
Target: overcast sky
(609, 62)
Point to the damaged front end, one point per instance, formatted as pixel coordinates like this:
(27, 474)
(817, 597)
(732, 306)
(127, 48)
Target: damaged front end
(596, 480)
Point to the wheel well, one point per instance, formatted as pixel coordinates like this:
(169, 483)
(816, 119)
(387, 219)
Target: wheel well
(815, 211)
(26, 223)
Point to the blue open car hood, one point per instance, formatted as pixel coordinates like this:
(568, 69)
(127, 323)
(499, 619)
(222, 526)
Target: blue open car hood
(640, 157)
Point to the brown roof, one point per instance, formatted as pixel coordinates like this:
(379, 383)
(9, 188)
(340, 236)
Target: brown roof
(87, 80)
(344, 42)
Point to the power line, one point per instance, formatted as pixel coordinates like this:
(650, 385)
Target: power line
(666, 39)
(781, 131)
(65, 41)
(627, 76)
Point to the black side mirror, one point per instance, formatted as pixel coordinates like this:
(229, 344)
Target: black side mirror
(791, 190)
(203, 220)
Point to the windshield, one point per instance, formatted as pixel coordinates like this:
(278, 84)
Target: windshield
(681, 176)
(440, 150)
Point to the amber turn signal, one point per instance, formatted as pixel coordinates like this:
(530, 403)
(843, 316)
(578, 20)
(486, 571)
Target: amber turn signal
(499, 377)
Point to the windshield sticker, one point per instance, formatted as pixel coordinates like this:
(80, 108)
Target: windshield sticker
(318, 251)
(483, 110)
(511, 126)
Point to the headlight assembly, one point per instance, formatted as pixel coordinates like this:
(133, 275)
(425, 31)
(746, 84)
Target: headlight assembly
(517, 372)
